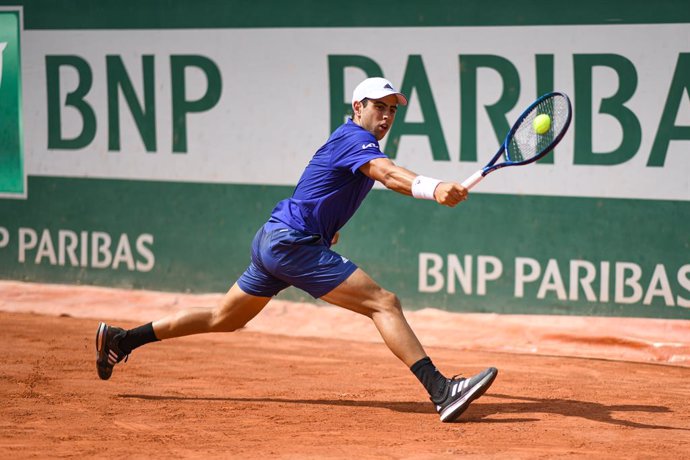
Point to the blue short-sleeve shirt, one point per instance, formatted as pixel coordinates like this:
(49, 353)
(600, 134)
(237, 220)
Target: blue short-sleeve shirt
(331, 187)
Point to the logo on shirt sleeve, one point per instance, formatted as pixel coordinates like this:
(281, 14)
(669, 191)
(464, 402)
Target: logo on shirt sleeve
(370, 145)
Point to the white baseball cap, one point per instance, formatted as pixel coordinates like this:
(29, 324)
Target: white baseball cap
(376, 88)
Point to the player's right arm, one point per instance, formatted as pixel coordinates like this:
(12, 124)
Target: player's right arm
(400, 180)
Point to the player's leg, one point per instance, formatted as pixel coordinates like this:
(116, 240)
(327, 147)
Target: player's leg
(361, 294)
(236, 308)
(241, 303)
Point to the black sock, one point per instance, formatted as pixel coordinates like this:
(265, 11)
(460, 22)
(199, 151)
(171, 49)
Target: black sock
(431, 378)
(137, 337)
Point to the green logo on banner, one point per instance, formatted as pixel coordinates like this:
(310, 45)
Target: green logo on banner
(12, 181)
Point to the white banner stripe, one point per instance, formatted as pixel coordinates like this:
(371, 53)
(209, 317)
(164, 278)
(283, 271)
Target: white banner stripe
(274, 108)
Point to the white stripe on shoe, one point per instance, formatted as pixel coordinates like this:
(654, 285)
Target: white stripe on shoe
(459, 386)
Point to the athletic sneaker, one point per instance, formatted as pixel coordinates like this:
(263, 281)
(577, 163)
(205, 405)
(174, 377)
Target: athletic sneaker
(107, 349)
(460, 392)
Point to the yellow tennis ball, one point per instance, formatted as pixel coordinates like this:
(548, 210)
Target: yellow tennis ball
(541, 123)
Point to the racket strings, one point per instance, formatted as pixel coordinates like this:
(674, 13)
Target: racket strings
(525, 142)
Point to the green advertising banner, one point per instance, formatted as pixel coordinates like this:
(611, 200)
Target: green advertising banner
(12, 180)
(161, 138)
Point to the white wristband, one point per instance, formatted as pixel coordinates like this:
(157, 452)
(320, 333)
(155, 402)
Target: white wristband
(424, 187)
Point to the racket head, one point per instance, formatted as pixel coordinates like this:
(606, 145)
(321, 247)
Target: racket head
(523, 145)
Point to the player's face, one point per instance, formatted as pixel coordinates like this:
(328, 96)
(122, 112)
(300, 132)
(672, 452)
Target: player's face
(378, 116)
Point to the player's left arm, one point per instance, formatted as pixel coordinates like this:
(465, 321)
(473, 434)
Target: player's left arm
(400, 180)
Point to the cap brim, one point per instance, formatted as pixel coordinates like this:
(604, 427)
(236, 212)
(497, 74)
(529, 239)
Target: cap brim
(402, 100)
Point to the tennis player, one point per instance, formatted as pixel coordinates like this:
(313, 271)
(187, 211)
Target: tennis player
(294, 248)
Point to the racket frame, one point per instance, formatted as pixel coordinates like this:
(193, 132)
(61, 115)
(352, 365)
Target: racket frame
(491, 166)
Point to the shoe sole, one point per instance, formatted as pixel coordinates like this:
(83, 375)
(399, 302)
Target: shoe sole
(100, 344)
(456, 409)
(100, 337)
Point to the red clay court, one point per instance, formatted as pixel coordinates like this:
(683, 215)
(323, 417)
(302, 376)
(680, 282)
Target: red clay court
(305, 381)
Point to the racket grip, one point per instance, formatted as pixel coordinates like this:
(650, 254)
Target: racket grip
(473, 180)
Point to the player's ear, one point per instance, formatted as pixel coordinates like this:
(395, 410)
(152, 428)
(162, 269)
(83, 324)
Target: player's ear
(357, 106)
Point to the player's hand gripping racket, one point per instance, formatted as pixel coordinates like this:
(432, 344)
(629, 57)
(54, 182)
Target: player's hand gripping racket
(529, 139)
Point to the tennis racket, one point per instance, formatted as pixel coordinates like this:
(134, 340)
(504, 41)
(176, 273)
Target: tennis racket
(523, 145)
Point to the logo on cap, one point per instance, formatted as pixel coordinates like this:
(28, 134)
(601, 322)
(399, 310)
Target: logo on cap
(388, 86)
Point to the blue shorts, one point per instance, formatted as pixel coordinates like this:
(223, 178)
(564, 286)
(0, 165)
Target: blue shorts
(283, 257)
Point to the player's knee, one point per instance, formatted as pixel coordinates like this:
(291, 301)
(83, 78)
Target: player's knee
(389, 302)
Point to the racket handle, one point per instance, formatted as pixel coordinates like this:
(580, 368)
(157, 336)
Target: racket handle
(473, 180)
